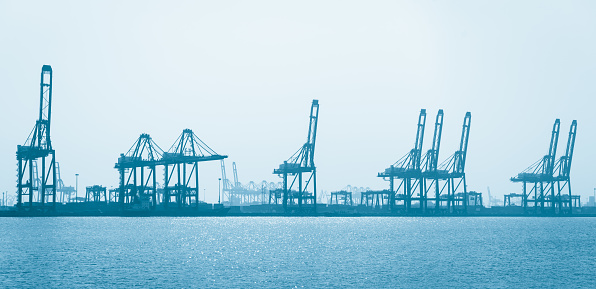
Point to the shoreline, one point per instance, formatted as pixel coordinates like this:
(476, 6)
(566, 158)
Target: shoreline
(218, 210)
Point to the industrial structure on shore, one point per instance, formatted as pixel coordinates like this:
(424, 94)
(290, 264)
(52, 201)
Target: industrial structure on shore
(138, 176)
(236, 194)
(38, 147)
(544, 174)
(301, 162)
(418, 183)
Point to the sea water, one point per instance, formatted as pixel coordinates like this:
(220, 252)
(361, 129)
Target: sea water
(278, 252)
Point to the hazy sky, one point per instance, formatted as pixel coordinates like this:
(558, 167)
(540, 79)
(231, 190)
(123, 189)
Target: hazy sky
(242, 75)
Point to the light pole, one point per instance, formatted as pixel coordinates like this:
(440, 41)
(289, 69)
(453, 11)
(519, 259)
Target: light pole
(219, 191)
(77, 187)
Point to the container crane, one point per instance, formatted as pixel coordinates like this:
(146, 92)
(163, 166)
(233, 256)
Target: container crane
(302, 162)
(227, 186)
(408, 171)
(563, 168)
(236, 182)
(540, 176)
(453, 169)
(135, 186)
(183, 158)
(38, 147)
(431, 162)
(65, 191)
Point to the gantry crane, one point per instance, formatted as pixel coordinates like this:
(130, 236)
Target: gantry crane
(408, 170)
(303, 161)
(96, 193)
(236, 182)
(453, 171)
(38, 146)
(186, 153)
(540, 176)
(252, 193)
(237, 194)
(65, 191)
(59, 183)
(137, 187)
(242, 195)
(431, 163)
(547, 171)
(226, 188)
(233, 191)
(563, 168)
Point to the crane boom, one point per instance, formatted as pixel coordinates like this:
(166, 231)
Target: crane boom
(433, 158)
(236, 182)
(309, 156)
(566, 162)
(419, 140)
(552, 149)
(41, 136)
(463, 144)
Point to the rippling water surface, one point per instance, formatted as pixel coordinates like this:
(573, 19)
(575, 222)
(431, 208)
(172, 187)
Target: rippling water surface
(298, 252)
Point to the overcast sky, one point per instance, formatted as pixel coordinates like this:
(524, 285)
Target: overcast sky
(242, 76)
